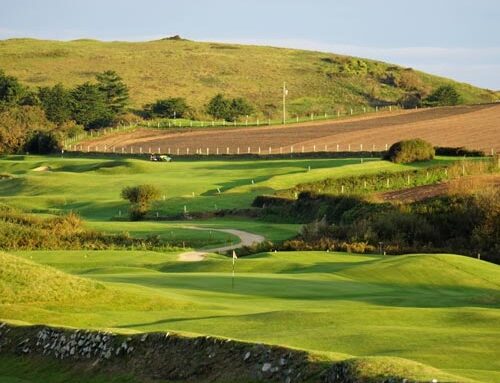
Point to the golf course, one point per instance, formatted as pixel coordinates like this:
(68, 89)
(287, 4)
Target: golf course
(418, 308)
(249, 192)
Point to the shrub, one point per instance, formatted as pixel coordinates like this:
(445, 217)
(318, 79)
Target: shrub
(445, 95)
(408, 151)
(43, 143)
(227, 109)
(141, 198)
(175, 107)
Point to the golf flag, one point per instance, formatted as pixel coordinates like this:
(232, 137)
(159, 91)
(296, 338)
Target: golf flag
(234, 259)
(234, 256)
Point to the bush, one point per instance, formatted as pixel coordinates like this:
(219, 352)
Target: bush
(229, 110)
(445, 95)
(175, 107)
(43, 143)
(141, 198)
(407, 151)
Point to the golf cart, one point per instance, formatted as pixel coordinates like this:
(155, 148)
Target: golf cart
(160, 157)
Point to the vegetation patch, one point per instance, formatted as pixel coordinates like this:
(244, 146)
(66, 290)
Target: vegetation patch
(408, 151)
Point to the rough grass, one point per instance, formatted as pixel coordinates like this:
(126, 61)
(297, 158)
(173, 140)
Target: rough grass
(318, 82)
(440, 310)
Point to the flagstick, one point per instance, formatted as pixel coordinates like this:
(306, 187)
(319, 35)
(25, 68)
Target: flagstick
(234, 261)
(232, 280)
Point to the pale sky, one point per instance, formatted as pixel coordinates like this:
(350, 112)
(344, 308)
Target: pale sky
(459, 39)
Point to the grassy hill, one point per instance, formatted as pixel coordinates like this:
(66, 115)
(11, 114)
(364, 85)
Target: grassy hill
(318, 82)
(440, 310)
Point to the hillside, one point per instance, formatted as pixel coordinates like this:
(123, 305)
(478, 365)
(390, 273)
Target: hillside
(318, 82)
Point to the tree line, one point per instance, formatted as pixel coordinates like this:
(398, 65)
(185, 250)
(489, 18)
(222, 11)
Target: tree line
(38, 120)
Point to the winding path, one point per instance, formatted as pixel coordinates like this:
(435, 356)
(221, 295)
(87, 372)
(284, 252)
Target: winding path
(246, 239)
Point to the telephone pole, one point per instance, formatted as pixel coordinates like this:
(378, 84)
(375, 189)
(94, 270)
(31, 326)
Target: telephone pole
(285, 93)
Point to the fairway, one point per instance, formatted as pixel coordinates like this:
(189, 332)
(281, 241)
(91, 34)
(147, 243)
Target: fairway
(91, 186)
(440, 310)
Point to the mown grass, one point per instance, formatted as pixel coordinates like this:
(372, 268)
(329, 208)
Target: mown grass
(318, 82)
(91, 187)
(440, 310)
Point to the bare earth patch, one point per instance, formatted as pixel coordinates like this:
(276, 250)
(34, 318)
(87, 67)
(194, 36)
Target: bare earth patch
(475, 127)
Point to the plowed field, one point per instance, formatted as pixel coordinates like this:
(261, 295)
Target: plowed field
(475, 127)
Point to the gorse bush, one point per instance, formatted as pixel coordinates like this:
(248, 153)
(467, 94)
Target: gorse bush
(407, 151)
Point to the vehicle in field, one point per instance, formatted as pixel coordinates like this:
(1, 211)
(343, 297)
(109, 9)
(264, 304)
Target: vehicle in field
(160, 157)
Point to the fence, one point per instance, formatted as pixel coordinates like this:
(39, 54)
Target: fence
(249, 122)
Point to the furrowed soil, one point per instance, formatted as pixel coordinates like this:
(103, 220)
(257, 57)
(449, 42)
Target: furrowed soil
(474, 127)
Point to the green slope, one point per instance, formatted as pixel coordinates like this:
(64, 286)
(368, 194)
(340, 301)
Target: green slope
(318, 82)
(440, 310)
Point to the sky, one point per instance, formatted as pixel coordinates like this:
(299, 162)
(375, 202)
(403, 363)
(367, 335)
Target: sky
(459, 39)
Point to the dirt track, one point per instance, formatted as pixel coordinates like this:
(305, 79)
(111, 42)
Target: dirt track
(475, 127)
(246, 239)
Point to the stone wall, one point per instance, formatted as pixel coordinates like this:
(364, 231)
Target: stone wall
(166, 356)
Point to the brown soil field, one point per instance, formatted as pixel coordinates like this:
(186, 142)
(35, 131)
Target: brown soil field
(462, 185)
(474, 127)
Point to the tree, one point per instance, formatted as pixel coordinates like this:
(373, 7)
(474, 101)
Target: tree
(44, 143)
(89, 106)
(445, 95)
(240, 107)
(56, 102)
(141, 198)
(219, 106)
(229, 110)
(114, 89)
(169, 107)
(11, 90)
(18, 124)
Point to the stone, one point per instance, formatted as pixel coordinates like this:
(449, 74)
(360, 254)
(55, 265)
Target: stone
(247, 356)
(282, 361)
(107, 355)
(266, 367)
(144, 337)
(288, 379)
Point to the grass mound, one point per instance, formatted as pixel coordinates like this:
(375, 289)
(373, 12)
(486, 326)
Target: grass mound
(22, 281)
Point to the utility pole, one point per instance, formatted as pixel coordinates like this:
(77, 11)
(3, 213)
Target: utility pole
(285, 93)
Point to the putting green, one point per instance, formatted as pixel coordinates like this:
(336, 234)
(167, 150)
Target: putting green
(440, 310)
